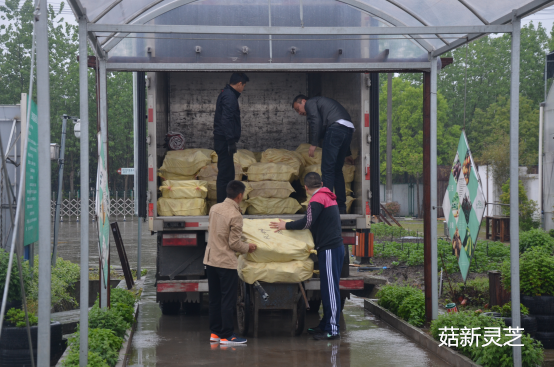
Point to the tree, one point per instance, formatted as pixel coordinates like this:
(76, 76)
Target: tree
(407, 130)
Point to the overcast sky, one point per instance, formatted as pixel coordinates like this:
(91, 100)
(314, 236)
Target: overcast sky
(545, 16)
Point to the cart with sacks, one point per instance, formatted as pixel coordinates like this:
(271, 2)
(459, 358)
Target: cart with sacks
(280, 275)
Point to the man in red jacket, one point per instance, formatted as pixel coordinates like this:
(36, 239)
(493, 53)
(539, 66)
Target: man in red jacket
(323, 220)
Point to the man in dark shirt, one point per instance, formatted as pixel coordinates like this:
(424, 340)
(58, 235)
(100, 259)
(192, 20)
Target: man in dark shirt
(227, 129)
(329, 121)
(323, 220)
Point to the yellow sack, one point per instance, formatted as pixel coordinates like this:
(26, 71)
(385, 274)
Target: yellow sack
(289, 272)
(348, 186)
(175, 177)
(288, 157)
(242, 157)
(264, 206)
(209, 172)
(186, 162)
(184, 189)
(270, 189)
(168, 207)
(274, 246)
(349, 201)
(347, 171)
(270, 172)
(303, 150)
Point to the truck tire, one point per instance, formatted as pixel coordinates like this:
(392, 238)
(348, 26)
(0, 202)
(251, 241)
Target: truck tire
(528, 323)
(192, 308)
(170, 307)
(15, 338)
(547, 339)
(545, 323)
(300, 317)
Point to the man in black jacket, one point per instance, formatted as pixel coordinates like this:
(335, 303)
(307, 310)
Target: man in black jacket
(323, 220)
(328, 120)
(227, 131)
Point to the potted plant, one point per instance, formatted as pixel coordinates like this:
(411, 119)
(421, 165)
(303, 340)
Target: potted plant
(14, 341)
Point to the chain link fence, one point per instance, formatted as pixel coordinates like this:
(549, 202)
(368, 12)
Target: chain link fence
(70, 209)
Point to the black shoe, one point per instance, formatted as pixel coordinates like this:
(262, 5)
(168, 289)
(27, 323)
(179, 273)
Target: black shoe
(314, 330)
(326, 336)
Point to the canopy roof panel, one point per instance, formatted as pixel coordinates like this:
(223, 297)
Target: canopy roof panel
(234, 47)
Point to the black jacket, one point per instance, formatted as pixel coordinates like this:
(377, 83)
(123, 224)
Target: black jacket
(323, 220)
(227, 115)
(321, 113)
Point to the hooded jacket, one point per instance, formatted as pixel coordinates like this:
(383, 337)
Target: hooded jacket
(322, 219)
(227, 115)
(321, 113)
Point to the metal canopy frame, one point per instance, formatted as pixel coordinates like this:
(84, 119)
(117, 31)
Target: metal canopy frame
(136, 23)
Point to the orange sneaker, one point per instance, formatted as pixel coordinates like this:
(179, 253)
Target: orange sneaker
(214, 338)
(233, 340)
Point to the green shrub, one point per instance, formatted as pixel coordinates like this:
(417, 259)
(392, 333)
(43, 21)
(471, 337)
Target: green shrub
(113, 318)
(527, 208)
(119, 295)
(102, 342)
(94, 360)
(536, 273)
(17, 317)
(495, 356)
(14, 289)
(551, 233)
(412, 309)
(64, 276)
(391, 296)
(535, 238)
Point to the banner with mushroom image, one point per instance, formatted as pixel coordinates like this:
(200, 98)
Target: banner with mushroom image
(464, 205)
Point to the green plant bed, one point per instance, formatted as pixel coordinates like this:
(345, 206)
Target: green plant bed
(536, 272)
(491, 355)
(103, 345)
(405, 302)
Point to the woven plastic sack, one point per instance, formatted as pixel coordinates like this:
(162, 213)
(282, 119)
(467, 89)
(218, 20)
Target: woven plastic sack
(270, 172)
(270, 189)
(186, 162)
(348, 186)
(303, 150)
(289, 272)
(349, 201)
(242, 157)
(184, 189)
(347, 171)
(265, 206)
(209, 172)
(281, 246)
(288, 157)
(174, 176)
(182, 207)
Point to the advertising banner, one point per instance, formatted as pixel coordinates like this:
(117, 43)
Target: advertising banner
(30, 227)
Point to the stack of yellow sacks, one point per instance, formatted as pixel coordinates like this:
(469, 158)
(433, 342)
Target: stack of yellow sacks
(280, 257)
(314, 165)
(269, 183)
(183, 198)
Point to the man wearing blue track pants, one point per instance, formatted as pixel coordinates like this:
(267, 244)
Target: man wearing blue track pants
(323, 220)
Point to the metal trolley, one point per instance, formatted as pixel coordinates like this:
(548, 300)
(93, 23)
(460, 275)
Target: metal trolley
(251, 298)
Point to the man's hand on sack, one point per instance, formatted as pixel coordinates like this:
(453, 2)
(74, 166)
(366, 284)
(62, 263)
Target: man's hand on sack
(311, 151)
(252, 247)
(281, 225)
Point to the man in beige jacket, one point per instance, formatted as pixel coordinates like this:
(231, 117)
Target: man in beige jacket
(224, 241)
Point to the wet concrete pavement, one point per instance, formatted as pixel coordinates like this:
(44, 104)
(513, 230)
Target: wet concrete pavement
(70, 237)
(183, 340)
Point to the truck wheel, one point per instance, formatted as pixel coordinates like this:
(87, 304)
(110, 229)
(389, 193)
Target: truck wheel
(314, 305)
(170, 307)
